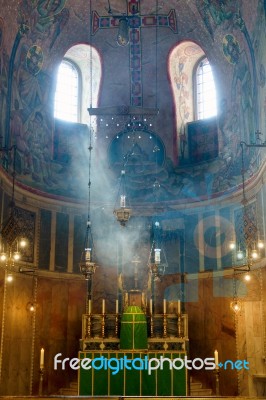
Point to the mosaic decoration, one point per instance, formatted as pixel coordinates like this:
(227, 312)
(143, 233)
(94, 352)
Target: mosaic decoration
(246, 229)
(135, 23)
(21, 223)
(34, 59)
(142, 154)
(231, 49)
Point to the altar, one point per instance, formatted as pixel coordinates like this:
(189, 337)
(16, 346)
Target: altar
(135, 363)
(134, 381)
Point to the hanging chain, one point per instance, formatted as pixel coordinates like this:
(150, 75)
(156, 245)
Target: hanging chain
(3, 324)
(263, 321)
(33, 339)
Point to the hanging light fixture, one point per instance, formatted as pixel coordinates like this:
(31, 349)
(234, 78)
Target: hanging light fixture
(31, 307)
(12, 232)
(87, 264)
(157, 258)
(235, 304)
(122, 213)
(247, 277)
(249, 248)
(232, 245)
(9, 250)
(9, 277)
(239, 254)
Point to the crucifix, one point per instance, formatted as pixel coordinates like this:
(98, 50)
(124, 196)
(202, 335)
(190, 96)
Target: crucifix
(129, 32)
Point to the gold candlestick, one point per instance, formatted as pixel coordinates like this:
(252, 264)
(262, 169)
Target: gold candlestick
(164, 326)
(89, 326)
(217, 381)
(103, 325)
(179, 325)
(116, 324)
(151, 321)
(41, 372)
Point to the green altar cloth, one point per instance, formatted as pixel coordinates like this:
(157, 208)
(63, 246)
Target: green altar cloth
(133, 333)
(129, 381)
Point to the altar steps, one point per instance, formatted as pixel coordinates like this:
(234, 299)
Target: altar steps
(57, 397)
(196, 390)
(72, 390)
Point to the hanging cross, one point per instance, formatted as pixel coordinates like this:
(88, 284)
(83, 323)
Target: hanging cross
(135, 22)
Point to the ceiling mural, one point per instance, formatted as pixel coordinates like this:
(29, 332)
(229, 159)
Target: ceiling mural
(51, 157)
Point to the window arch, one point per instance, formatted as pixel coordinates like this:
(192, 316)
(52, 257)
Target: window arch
(205, 92)
(83, 64)
(185, 61)
(67, 94)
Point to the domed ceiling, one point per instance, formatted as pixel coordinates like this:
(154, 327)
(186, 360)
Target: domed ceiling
(146, 52)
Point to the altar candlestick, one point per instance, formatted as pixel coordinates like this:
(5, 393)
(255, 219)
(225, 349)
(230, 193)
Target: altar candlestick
(216, 358)
(164, 306)
(178, 307)
(42, 359)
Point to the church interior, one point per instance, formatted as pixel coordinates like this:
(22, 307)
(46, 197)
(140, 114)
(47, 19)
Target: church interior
(133, 198)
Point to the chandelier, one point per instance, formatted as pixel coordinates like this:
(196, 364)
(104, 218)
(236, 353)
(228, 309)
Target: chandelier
(251, 247)
(248, 248)
(13, 238)
(87, 266)
(235, 304)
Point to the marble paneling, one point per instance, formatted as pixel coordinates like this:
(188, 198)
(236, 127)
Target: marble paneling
(60, 304)
(211, 326)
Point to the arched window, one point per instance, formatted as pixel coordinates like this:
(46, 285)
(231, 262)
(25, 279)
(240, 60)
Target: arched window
(205, 92)
(67, 93)
(194, 93)
(78, 85)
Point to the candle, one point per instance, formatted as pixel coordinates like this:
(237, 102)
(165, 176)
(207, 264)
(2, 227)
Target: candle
(89, 306)
(42, 358)
(116, 306)
(178, 307)
(103, 306)
(164, 306)
(150, 306)
(216, 359)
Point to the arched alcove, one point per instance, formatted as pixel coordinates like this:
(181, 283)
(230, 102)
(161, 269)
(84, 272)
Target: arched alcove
(183, 61)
